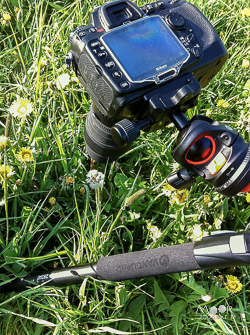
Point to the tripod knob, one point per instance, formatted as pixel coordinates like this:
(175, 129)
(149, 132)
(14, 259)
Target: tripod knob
(126, 131)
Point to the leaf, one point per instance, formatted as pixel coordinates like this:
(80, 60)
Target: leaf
(134, 310)
(247, 85)
(159, 296)
(194, 286)
(176, 309)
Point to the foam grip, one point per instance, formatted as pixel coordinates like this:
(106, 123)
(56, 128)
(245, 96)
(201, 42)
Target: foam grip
(140, 264)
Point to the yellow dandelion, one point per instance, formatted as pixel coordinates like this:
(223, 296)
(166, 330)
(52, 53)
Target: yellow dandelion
(245, 64)
(21, 108)
(6, 17)
(223, 104)
(248, 197)
(233, 284)
(25, 155)
(69, 180)
(17, 10)
(245, 12)
(52, 201)
(206, 199)
(3, 142)
(181, 196)
(62, 81)
(6, 170)
(82, 190)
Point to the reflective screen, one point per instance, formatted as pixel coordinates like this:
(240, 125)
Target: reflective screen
(145, 48)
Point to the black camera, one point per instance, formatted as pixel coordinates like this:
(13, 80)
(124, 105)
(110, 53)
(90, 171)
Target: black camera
(140, 65)
(144, 68)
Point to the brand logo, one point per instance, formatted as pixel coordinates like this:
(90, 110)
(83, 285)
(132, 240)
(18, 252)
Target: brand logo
(224, 312)
(145, 264)
(161, 67)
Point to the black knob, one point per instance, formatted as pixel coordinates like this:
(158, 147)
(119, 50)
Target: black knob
(175, 20)
(125, 132)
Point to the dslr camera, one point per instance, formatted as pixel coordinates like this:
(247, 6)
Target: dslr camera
(143, 68)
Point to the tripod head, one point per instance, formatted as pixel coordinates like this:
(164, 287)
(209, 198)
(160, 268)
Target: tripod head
(213, 151)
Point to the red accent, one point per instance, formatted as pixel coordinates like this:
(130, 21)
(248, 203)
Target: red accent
(209, 157)
(246, 189)
(100, 30)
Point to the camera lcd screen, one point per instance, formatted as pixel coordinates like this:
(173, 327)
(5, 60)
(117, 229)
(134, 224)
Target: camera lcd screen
(146, 49)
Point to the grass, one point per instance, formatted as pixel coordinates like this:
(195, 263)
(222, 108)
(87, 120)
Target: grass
(84, 225)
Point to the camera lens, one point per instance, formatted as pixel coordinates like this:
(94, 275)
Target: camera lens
(99, 142)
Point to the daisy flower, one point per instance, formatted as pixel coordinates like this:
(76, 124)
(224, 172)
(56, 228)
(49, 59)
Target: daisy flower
(233, 284)
(25, 155)
(21, 108)
(62, 81)
(197, 233)
(154, 232)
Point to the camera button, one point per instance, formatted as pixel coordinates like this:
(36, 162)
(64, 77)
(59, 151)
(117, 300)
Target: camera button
(116, 74)
(109, 64)
(95, 44)
(148, 9)
(160, 5)
(125, 85)
(92, 30)
(102, 54)
(175, 20)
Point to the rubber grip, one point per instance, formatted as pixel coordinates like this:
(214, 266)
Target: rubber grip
(146, 263)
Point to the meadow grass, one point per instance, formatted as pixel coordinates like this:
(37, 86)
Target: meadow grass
(50, 217)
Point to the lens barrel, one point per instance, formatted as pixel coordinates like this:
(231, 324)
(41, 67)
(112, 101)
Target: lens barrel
(99, 142)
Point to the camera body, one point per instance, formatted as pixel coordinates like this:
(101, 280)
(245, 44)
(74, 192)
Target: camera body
(127, 55)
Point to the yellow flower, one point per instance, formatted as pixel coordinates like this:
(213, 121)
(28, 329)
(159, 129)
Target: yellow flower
(82, 190)
(25, 155)
(21, 108)
(17, 10)
(69, 180)
(62, 81)
(52, 201)
(248, 197)
(3, 142)
(245, 12)
(245, 64)
(206, 199)
(8, 170)
(6, 17)
(233, 284)
(223, 104)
